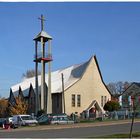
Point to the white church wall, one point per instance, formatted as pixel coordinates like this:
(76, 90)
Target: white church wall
(90, 87)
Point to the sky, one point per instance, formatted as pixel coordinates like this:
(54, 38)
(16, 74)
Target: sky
(109, 30)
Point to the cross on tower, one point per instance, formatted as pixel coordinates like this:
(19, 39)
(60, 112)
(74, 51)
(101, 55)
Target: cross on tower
(42, 22)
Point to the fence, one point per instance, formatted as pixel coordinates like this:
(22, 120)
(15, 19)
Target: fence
(123, 114)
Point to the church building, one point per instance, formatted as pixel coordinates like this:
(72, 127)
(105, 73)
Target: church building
(82, 90)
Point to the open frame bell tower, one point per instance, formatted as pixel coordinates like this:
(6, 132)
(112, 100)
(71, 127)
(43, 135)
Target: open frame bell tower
(43, 55)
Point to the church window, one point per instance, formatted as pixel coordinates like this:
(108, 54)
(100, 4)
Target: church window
(102, 100)
(105, 99)
(73, 100)
(78, 100)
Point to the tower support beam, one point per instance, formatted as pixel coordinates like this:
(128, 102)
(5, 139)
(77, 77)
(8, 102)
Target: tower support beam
(49, 99)
(42, 75)
(36, 80)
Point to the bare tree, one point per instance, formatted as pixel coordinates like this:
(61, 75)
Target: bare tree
(126, 85)
(112, 88)
(117, 88)
(30, 73)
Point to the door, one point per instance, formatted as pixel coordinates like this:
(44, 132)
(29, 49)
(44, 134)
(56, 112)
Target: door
(57, 103)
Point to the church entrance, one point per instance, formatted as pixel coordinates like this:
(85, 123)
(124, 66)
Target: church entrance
(92, 112)
(57, 103)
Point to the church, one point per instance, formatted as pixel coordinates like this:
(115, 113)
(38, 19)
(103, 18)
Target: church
(78, 89)
(82, 91)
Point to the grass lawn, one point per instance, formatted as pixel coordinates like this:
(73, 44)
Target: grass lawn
(135, 135)
(106, 120)
(96, 120)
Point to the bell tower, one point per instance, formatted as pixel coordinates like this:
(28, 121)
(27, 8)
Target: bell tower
(43, 41)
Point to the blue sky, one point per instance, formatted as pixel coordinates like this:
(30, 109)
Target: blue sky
(79, 30)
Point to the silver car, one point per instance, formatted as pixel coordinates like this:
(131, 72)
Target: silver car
(61, 120)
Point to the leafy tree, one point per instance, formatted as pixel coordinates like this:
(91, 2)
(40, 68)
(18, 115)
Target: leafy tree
(30, 73)
(20, 107)
(111, 106)
(3, 107)
(40, 112)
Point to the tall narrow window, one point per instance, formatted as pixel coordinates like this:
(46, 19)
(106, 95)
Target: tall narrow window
(102, 100)
(105, 99)
(78, 100)
(73, 100)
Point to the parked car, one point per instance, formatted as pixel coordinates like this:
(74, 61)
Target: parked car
(61, 119)
(44, 119)
(2, 120)
(6, 122)
(24, 120)
(9, 122)
(10, 119)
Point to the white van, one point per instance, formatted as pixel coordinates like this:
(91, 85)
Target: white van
(24, 120)
(10, 119)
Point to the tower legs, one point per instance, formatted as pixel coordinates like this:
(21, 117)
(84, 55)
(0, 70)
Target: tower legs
(49, 99)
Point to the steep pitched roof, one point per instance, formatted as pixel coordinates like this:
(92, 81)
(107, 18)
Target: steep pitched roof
(138, 84)
(11, 98)
(43, 34)
(93, 103)
(101, 75)
(71, 75)
(133, 87)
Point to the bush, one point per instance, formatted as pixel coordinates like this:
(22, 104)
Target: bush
(111, 106)
(40, 112)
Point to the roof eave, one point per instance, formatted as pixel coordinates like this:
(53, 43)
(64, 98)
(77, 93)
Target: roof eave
(45, 36)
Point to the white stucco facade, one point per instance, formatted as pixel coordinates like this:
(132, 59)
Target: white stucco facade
(90, 86)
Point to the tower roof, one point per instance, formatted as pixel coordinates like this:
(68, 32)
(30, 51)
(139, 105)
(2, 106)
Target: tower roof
(45, 36)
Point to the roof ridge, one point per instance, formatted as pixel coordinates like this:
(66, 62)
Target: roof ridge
(78, 64)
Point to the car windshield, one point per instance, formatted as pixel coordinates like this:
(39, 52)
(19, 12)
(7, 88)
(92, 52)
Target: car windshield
(26, 118)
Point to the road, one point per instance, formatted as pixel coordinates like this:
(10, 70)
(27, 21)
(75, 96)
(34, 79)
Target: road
(71, 131)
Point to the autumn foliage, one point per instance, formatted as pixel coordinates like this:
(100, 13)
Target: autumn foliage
(3, 107)
(19, 108)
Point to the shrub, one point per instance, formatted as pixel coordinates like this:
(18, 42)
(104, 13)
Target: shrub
(111, 106)
(40, 112)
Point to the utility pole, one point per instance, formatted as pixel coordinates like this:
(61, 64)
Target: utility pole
(63, 92)
(133, 116)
